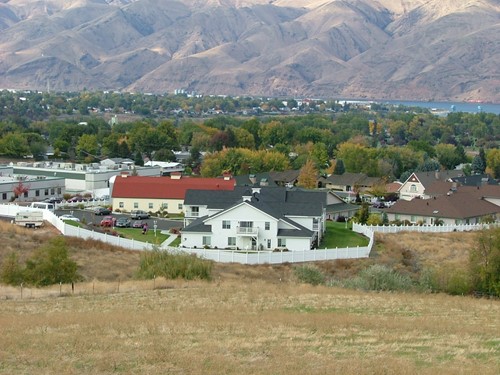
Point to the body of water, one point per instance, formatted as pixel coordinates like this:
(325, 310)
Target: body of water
(449, 106)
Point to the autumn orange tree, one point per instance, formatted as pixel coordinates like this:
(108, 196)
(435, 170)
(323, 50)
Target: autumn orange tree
(308, 175)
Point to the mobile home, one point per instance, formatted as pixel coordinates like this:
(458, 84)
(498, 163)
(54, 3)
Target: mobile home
(29, 219)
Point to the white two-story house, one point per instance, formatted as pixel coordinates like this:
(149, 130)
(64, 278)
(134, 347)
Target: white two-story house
(246, 218)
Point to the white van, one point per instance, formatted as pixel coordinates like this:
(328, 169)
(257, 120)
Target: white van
(29, 219)
(43, 205)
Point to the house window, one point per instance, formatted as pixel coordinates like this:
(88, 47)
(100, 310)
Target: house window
(121, 205)
(25, 194)
(195, 211)
(37, 193)
(231, 241)
(52, 191)
(59, 191)
(246, 224)
(4, 196)
(269, 243)
(136, 205)
(267, 225)
(165, 206)
(150, 205)
(226, 224)
(281, 242)
(413, 219)
(46, 191)
(397, 216)
(207, 240)
(413, 188)
(179, 206)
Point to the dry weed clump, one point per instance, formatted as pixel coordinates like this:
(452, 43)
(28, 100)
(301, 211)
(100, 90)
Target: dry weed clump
(235, 327)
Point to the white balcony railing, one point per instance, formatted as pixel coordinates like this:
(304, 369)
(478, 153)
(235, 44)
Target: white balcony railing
(247, 230)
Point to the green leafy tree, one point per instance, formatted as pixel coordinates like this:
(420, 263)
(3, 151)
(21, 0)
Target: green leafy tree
(50, 264)
(14, 144)
(447, 156)
(87, 146)
(363, 214)
(319, 154)
(493, 162)
(485, 262)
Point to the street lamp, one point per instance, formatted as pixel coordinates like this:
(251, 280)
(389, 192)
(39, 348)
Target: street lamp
(155, 225)
(346, 218)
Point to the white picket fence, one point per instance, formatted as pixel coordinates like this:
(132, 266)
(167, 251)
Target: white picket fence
(425, 228)
(224, 256)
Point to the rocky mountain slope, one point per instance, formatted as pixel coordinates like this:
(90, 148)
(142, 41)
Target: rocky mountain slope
(399, 49)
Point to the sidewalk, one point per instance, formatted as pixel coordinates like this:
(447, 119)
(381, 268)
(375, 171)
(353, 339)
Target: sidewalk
(169, 240)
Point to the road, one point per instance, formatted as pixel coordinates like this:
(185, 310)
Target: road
(90, 217)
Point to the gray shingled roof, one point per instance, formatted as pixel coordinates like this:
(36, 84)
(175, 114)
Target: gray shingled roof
(198, 226)
(277, 202)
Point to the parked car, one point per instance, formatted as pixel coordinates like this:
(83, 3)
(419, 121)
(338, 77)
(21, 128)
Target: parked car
(102, 211)
(378, 205)
(53, 200)
(108, 221)
(138, 224)
(138, 215)
(69, 217)
(123, 222)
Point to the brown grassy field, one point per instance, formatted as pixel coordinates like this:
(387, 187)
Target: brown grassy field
(248, 320)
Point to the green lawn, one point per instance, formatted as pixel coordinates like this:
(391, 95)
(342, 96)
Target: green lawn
(338, 236)
(136, 234)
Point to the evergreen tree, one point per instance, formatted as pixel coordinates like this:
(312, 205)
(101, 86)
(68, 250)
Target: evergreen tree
(477, 165)
(339, 167)
(482, 155)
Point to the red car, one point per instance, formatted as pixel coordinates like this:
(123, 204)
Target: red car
(108, 221)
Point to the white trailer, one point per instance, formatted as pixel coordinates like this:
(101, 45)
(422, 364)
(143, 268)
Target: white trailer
(29, 219)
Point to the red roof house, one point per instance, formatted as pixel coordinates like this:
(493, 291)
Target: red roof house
(154, 193)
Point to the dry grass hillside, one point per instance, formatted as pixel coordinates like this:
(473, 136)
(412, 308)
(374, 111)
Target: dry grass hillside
(406, 252)
(248, 320)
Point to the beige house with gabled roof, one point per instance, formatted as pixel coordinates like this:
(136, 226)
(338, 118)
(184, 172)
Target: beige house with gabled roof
(420, 183)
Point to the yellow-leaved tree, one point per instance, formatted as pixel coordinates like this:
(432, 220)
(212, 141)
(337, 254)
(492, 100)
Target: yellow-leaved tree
(308, 175)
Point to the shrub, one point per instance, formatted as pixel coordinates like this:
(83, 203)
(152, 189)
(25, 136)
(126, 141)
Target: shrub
(447, 280)
(173, 266)
(50, 264)
(309, 274)
(377, 277)
(484, 263)
(11, 272)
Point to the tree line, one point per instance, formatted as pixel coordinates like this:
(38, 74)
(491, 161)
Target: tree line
(388, 143)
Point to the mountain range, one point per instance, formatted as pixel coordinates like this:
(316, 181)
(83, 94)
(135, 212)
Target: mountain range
(374, 49)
